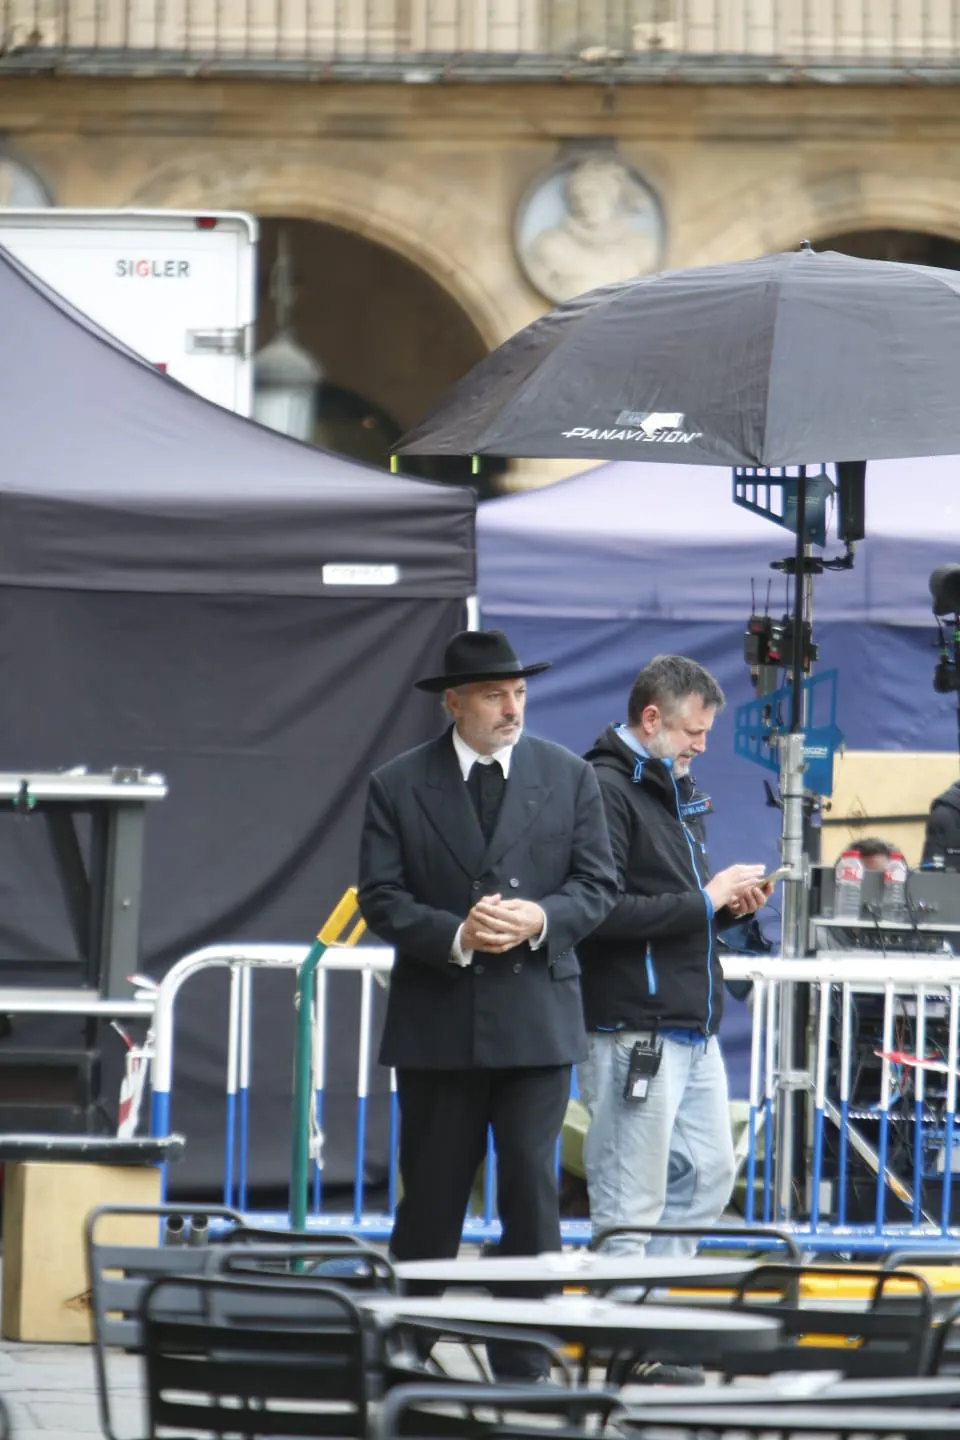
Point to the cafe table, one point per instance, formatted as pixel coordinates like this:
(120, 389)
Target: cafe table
(838, 1421)
(682, 1335)
(576, 1269)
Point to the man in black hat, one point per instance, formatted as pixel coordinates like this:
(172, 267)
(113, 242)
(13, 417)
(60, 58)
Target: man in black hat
(484, 860)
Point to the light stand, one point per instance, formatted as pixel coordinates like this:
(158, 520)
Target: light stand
(804, 512)
(792, 940)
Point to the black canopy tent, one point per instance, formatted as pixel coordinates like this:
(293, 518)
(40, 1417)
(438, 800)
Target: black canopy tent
(167, 601)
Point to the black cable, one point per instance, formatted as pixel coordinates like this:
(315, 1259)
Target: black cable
(874, 911)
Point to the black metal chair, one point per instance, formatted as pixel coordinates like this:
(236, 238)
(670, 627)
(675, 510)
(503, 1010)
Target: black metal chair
(494, 1412)
(253, 1357)
(120, 1272)
(889, 1335)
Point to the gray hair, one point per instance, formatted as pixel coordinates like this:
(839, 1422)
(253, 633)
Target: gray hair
(669, 680)
(460, 689)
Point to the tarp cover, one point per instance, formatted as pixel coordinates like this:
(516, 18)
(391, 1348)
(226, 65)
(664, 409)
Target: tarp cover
(118, 479)
(162, 604)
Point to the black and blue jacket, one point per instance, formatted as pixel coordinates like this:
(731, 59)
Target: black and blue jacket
(653, 961)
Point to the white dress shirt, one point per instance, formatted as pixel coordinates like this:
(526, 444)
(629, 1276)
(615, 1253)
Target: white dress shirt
(467, 757)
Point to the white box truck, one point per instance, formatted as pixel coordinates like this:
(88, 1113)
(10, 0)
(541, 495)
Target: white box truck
(177, 287)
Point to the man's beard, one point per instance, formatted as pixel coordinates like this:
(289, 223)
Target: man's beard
(661, 751)
(503, 737)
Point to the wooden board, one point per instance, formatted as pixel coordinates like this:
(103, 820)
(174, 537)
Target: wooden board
(45, 1207)
(872, 786)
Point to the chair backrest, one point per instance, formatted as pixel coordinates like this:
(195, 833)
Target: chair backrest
(261, 1235)
(838, 1422)
(495, 1412)
(119, 1273)
(731, 1237)
(253, 1357)
(896, 1259)
(355, 1267)
(888, 1334)
(945, 1350)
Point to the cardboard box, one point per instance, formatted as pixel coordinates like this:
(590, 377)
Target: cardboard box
(46, 1294)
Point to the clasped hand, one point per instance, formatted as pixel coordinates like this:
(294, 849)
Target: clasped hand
(496, 925)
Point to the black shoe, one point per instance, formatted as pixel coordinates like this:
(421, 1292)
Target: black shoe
(516, 1376)
(654, 1372)
(514, 1364)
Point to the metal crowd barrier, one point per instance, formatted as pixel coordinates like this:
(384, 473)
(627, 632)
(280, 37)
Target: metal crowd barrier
(919, 989)
(923, 986)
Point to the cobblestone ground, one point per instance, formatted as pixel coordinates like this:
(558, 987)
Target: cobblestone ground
(50, 1390)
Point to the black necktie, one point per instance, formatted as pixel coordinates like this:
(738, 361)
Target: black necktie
(485, 783)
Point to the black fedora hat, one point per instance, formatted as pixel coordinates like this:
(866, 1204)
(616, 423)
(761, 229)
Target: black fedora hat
(479, 655)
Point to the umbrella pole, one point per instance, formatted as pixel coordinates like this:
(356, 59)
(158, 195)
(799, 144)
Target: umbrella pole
(791, 1079)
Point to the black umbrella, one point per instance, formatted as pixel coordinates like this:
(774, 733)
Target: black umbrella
(785, 360)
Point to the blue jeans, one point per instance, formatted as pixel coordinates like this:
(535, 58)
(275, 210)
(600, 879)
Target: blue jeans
(668, 1159)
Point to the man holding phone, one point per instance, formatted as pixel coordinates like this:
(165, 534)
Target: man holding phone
(659, 1147)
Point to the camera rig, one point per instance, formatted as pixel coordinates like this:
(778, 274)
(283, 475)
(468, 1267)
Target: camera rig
(780, 651)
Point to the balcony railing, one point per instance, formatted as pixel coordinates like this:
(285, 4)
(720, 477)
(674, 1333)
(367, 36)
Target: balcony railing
(488, 39)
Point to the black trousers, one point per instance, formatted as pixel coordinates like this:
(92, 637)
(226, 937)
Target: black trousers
(444, 1116)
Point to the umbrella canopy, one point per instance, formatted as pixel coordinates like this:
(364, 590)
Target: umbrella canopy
(785, 360)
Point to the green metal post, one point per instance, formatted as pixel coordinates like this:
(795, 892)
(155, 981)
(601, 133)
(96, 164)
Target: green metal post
(303, 1051)
(301, 1087)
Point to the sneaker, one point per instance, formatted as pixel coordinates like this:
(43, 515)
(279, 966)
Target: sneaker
(654, 1372)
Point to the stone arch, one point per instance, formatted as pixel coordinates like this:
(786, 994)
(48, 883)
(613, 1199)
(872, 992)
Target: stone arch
(888, 242)
(788, 208)
(397, 205)
(412, 214)
(389, 339)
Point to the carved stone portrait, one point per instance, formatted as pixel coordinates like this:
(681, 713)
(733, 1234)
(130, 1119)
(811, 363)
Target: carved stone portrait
(590, 221)
(19, 188)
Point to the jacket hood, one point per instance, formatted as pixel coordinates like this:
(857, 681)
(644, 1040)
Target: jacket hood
(611, 752)
(609, 746)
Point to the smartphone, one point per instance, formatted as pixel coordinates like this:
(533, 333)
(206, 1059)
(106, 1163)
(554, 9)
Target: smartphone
(773, 877)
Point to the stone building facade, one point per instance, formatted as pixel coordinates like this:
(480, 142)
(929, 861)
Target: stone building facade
(406, 185)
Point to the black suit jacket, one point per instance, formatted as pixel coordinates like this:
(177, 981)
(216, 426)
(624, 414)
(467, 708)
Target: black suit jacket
(424, 862)
(943, 828)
